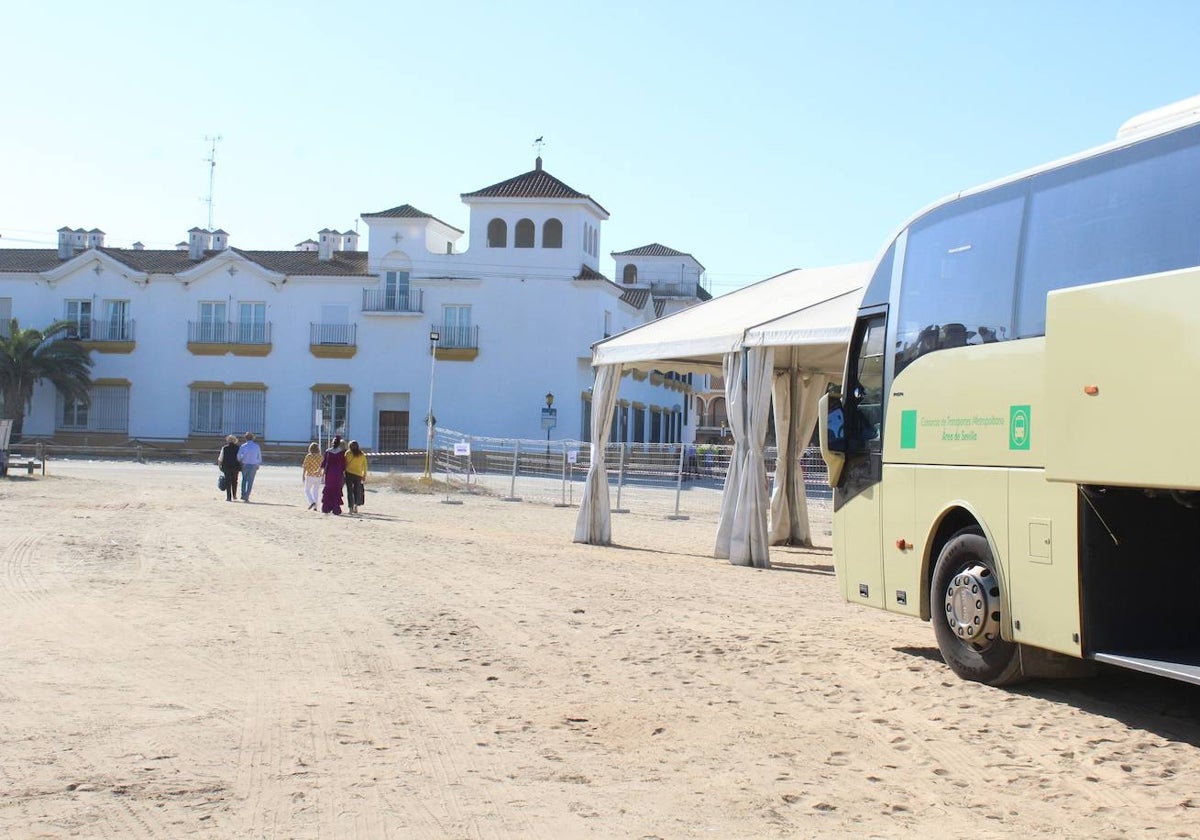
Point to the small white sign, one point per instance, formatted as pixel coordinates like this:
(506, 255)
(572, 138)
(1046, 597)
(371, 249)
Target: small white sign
(462, 449)
(318, 418)
(572, 456)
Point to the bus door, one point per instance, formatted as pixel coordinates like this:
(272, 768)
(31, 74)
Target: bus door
(855, 429)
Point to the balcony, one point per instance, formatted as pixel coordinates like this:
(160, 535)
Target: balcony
(393, 301)
(216, 338)
(332, 341)
(108, 336)
(457, 344)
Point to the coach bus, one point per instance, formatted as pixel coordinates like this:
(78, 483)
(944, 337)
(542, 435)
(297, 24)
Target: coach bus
(1014, 451)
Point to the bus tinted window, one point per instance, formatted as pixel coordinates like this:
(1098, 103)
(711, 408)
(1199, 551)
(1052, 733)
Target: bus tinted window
(1132, 212)
(959, 274)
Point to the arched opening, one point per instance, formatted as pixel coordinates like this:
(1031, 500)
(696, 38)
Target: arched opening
(497, 234)
(523, 237)
(629, 275)
(552, 234)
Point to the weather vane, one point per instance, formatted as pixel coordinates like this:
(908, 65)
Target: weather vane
(537, 144)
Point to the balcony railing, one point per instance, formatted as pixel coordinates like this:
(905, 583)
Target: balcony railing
(392, 300)
(457, 338)
(109, 330)
(221, 332)
(332, 334)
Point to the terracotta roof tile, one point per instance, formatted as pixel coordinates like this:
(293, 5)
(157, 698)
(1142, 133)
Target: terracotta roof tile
(301, 263)
(406, 211)
(586, 272)
(28, 259)
(636, 297)
(653, 250)
(536, 183)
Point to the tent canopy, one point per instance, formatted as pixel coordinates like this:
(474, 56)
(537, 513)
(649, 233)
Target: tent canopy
(804, 307)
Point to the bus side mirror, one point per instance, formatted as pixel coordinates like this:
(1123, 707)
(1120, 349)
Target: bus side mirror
(831, 438)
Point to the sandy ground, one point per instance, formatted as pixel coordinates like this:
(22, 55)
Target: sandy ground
(172, 665)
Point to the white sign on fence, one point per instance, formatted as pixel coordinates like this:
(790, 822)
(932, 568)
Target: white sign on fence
(572, 456)
(462, 449)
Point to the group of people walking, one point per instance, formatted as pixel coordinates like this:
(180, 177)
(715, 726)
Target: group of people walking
(340, 467)
(244, 457)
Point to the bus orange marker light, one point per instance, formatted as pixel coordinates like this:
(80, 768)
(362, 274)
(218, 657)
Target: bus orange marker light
(902, 545)
(1091, 390)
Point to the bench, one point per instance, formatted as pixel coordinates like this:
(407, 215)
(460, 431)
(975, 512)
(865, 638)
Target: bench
(28, 464)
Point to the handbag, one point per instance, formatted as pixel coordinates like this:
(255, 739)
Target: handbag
(221, 481)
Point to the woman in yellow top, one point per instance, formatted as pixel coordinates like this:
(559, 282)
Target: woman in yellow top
(311, 469)
(356, 476)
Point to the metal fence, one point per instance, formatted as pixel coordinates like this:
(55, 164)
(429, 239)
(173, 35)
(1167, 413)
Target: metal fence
(680, 481)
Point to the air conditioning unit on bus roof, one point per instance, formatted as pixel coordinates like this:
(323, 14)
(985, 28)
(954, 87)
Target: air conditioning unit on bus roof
(1181, 113)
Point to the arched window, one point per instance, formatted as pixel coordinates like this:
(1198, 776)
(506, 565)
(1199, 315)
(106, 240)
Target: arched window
(630, 274)
(523, 235)
(552, 234)
(497, 234)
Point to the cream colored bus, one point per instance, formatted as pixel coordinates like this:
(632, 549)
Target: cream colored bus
(1015, 453)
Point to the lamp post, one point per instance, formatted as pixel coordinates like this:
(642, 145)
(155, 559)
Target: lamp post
(430, 420)
(550, 423)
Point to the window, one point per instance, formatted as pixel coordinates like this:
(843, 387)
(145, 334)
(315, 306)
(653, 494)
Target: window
(395, 291)
(115, 326)
(335, 412)
(629, 274)
(639, 425)
(252, 323)
(523, 235)
(1132, 212)
(228, 410)
(552, 234)
(607, 323)
(79, 312)
(108, 411)
(497, 234)
(456, 326)
(212, 326)
(959, 275)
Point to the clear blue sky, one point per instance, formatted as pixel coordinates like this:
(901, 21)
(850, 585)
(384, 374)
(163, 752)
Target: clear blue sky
(760, 136)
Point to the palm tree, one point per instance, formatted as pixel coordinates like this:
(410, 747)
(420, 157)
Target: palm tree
(30, 356)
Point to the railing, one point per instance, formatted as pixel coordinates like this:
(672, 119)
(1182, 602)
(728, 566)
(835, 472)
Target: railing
(457, 338)
(392, 300)
(107, 330)
(340, 334)
(220, 332)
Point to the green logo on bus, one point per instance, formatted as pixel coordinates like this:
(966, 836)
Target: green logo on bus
(908, 430)
(1018, 427)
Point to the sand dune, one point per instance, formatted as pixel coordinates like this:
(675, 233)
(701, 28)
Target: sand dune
(173, 665)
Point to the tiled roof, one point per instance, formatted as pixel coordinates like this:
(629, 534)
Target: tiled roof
(28, 259)
(586, 272)
(659, 305)
(344, 263)
(653, 250)
(703, 293)
(536, 183)
(405, 211)
(636, 297)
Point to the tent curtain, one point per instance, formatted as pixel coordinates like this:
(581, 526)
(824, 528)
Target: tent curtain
(796, 396)
(594, 525)
(732, 367)
(744, 518)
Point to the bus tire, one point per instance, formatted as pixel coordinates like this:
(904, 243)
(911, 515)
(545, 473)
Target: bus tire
(965, 606)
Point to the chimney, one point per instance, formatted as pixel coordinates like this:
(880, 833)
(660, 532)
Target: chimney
(537, 163)
(65, 251)
(95, 238)
(79, 239)
(350, 240)
(197, 243)
(220, 240)
(138, 246)
(325, 243)
(181, 246)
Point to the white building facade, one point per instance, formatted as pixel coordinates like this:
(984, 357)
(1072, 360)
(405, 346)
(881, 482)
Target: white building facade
(209, 339)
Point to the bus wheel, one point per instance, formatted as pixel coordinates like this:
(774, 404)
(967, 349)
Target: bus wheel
(964, 603)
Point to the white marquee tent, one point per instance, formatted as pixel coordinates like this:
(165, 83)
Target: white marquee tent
(783, 338)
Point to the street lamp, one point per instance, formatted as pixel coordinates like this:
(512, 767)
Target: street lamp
(430, 420)
(550, 422)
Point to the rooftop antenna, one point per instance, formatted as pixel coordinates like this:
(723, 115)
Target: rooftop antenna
(212, 167)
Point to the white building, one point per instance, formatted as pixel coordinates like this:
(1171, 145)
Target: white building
(207, 339)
